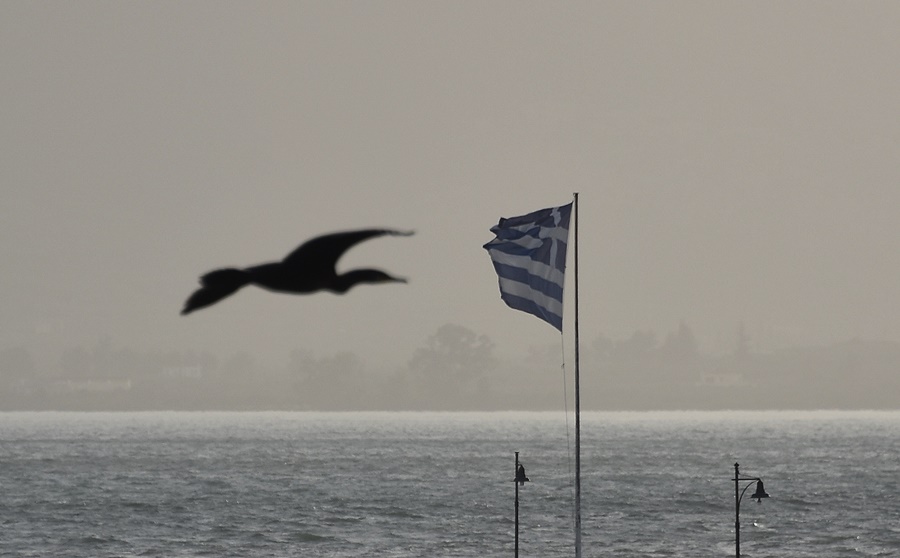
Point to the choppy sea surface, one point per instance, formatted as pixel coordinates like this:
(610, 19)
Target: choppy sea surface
(435, 484)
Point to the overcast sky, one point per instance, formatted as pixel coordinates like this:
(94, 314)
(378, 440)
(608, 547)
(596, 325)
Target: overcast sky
(735, 162)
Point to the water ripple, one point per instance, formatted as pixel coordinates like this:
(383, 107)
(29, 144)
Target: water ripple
(358, 484)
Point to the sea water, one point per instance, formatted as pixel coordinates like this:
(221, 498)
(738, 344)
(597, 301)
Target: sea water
(430, 484)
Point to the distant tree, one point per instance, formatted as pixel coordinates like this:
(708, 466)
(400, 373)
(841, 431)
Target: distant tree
(742, 347)
(450, 371)
(602, 347)
(300, 362)
(680, 345)
(640, 346)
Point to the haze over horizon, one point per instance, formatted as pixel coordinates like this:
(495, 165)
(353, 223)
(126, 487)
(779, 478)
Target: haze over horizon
(736, 163)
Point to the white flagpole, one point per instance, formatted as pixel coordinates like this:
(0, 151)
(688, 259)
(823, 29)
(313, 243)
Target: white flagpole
(577, 404)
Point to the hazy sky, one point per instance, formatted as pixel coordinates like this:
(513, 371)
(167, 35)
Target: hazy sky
(735, 162)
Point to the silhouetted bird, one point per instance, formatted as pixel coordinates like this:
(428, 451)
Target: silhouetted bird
(520, 475)
(309, 268)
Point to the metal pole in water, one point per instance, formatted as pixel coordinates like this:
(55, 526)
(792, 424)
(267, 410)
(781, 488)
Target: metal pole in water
(759, 494)
(737, 514)
(516, 471)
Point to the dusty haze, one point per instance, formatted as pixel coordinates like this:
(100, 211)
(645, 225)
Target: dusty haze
(737, 163)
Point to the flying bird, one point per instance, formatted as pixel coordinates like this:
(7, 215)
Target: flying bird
(309, 268)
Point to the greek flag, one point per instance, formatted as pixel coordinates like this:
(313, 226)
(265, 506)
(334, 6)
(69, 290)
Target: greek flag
(529, 255)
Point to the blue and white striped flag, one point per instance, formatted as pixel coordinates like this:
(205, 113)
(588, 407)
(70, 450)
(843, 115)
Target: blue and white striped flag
(529, 255)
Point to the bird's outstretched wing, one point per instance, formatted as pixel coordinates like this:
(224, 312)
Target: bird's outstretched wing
(324, 251)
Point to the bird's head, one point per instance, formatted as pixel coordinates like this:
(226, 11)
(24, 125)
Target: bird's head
(378, 276)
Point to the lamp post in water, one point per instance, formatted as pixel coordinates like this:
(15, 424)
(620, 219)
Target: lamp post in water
(738, 494)
(520, 480)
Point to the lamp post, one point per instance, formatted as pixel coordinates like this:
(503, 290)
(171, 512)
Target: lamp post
(738, 494)
(520, 480)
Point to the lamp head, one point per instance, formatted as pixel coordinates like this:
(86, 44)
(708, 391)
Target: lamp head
(760, 492)
(520, 475)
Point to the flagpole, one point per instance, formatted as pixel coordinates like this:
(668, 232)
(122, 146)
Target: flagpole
(532, 279)
(577, 403)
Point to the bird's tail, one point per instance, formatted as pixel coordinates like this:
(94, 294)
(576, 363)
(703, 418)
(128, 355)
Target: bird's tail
(216, 285)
